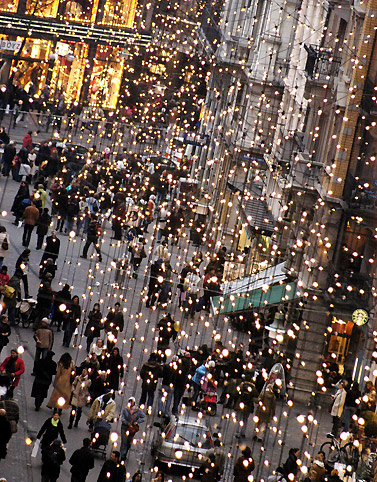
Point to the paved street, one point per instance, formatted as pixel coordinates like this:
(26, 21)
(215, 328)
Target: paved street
(93, 282)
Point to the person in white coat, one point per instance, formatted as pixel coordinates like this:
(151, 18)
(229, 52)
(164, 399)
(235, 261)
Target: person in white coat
(337, 407)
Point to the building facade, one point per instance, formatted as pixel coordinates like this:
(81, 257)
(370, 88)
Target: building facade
(289, 175)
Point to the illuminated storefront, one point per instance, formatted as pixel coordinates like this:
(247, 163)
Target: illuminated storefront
(106, 78)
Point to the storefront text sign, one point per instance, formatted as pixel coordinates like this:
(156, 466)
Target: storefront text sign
(10, 45)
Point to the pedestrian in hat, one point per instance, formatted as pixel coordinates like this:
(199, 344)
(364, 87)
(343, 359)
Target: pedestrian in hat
(53, 457)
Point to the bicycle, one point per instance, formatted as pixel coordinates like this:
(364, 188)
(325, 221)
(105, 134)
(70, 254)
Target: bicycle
(334, 452)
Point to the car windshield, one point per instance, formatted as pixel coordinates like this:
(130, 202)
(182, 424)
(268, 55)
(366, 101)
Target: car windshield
(195, 436)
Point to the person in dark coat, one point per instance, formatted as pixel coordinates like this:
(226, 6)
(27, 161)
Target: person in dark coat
(44, 222)
(52, 248)
(53, 457)
(290, 465)
(62, 299)
(50, 431)
(44, 370)
(8, 156)
(149, 373)
(94, 326)
(116, 369)
(5, 433)
(114, 325)
(18, 207)
(5, 331)
(10, 304)
(112, 470)
(74, 318)
(82, 461)
(243, 466)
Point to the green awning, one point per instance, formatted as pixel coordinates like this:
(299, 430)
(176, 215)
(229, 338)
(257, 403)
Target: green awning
(247, 300)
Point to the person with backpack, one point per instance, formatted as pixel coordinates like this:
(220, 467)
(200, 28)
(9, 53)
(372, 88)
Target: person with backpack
(245, 403)
(53, 457)
(94, 231)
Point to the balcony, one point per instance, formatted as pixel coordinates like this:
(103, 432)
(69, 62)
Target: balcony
(349, 287)
(236, 51)
(321, 65)
(361, 195)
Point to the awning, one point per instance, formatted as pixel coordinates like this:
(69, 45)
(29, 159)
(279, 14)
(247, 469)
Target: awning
(267, 295)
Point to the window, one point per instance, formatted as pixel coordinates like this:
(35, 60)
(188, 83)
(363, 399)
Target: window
(120, 13)
(42, 8)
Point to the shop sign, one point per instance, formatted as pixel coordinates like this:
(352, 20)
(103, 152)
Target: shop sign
(62, 49)
(360, 317)
(10, 45)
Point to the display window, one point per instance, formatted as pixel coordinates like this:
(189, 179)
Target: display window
(120, 13)
(8, 5)
(42, 8)
(106, 78)
(81, 10)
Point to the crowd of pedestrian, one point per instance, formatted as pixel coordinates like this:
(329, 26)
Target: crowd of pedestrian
(52, 202)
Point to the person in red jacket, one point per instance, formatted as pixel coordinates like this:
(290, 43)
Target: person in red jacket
(14, 366)
(28, 141)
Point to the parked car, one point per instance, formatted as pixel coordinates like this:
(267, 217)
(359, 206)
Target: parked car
(76, 154)
(183, 442)
(161, 163)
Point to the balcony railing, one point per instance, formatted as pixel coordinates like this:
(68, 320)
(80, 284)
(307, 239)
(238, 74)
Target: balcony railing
(321, 65)
(360, 193)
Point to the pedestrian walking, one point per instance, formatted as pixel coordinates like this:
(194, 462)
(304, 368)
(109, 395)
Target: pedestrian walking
(53, 457)
(5, 433)
(73, 321)
(44, 370)
(61, 307)
(21, 200)
(5, 331)
(165, 392)
(245, 403)
(94, 326)
(44, 222)
(350, 405)
(103, 408)
(115, 369)
(61, 394)
(8, 156)
(30, 218)
(22, 265)
(94, 231)
(14, 367)
(11, 294)
(4, 244)
(44, 339)
(337, 408)
(52, 248)
(112, 470)
(82, 461)
(290, 466)
(51, 429)
(114, 325)
(149, 374)
(4, 277)
(244, 466)
(80, 397)
(265, 411)
(131, 418)
(137, 477)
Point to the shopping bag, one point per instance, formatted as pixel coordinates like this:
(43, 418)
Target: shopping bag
(35, 448)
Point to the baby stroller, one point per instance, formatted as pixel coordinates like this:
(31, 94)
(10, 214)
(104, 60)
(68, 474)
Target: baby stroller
(100, 437)
(26, 312)
(5, 383)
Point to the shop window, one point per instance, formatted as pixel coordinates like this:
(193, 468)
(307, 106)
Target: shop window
(353, 248)
(8, 5)
(42, 8)
(120, 13)
(32, 68)
(68, 71)
(106, 78)
(81, 10)
(340, 340)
